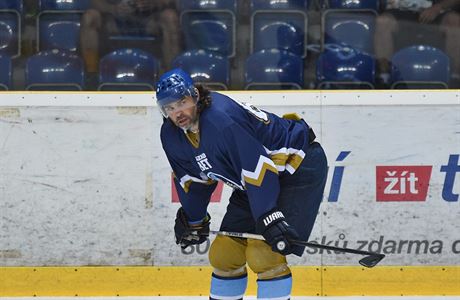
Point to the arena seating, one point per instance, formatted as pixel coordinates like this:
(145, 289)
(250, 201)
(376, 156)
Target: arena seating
(200, 5)
(209, 25)
(225, 44)
(54, 70)
(58, 24)
(67, 5)
(14, 5)
(279, 25)
(350, 23)
(5, 74)
(273, 69)
(11, 12)
(420, 67)
(341, 67)
(128, 69)
(205, 67)
(355, 4)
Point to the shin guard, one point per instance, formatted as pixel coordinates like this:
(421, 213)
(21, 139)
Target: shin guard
(278, 288)
(228, 288)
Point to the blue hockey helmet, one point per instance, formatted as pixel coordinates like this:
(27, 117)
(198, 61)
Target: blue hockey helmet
(174, 85)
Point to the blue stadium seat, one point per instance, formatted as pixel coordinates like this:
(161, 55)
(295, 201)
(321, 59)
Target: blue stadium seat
(10, 27)
(205, 67)
(16, 5)
(57, 31)
(58, 24)
(279, 5)
(187, 5)
(128, 69)
(273, 69)
(420, 66)
(69, 5)
(5, 74)
(350, 23)
(279, 25)
(209, 25)
(55, 70)
(355, 4)
(340, 67)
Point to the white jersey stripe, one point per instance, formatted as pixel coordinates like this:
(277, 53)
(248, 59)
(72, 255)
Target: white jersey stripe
(188, 178)
(286, 151)
(255, 175)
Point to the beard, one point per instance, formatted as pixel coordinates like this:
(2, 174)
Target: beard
(187, 123)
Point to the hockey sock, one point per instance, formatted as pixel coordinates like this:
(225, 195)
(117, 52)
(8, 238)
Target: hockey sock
(277, 288)
(229, 288)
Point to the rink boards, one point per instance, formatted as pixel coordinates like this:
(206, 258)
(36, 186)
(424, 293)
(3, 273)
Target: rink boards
(175, 281)
(84, 182)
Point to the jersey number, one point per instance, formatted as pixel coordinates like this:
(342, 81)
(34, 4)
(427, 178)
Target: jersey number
(259, 114)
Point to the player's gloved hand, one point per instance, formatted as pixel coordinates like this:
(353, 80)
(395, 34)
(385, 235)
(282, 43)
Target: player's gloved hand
(188, 234)
(276, 231)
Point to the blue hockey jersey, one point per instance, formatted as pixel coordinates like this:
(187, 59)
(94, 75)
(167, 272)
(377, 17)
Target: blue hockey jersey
(239, 144)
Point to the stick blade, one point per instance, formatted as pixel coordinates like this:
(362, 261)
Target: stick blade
(371, 260)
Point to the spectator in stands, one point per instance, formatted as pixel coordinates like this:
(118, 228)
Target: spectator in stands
(444, 13)
(112, 17)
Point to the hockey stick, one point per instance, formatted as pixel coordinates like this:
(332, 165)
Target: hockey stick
(370, 260)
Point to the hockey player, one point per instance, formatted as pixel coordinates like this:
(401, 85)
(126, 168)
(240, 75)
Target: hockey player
(275, 167)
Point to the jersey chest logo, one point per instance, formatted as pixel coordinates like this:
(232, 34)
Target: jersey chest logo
(203, 162)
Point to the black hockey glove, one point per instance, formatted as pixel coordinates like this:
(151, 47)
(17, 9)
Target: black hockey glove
(276, 231)
(187, 234)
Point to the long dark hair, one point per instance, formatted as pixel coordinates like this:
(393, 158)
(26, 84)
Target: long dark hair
(205, 97)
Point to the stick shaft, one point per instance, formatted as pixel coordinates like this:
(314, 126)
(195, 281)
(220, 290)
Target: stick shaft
(239, 235)
(303, 243)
